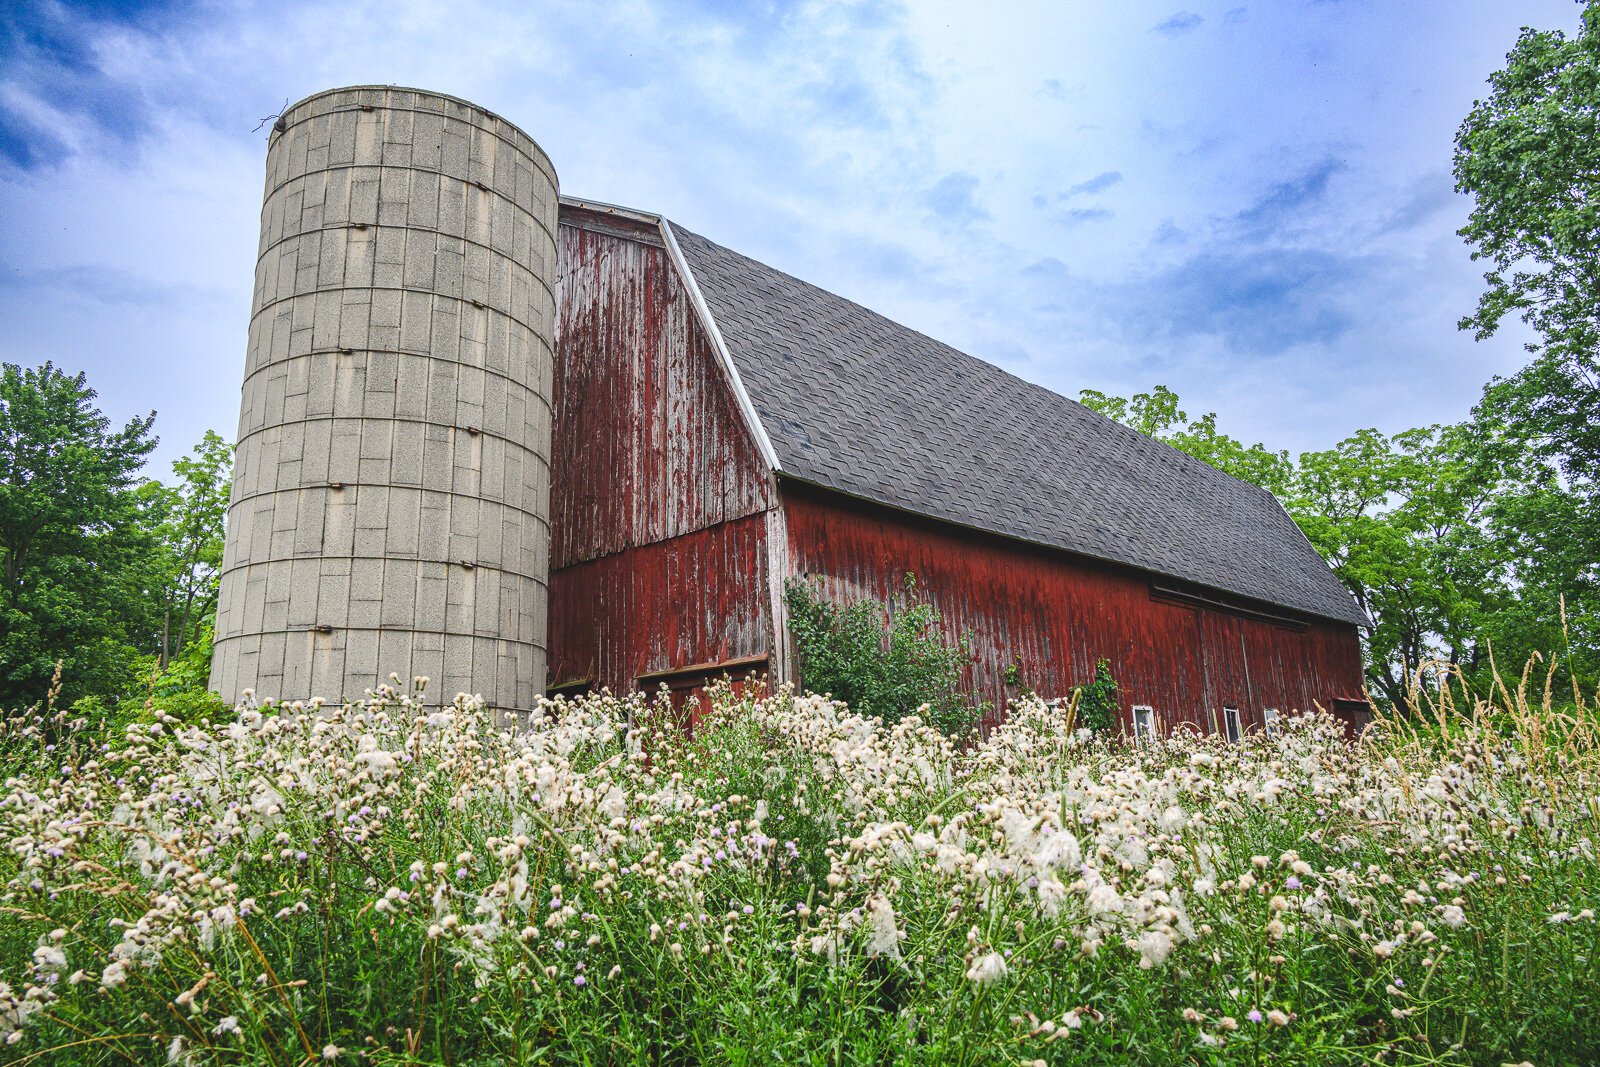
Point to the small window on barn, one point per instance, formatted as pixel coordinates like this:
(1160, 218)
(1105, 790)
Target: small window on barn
(1144, 723)
(1230, 719)
(1269, 721)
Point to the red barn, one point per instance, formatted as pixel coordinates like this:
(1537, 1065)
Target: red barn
(721, 427)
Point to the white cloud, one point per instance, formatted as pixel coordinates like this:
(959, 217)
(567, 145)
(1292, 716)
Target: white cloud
(911, 157)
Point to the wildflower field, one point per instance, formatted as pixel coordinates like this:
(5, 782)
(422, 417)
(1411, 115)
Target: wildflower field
(398, 882)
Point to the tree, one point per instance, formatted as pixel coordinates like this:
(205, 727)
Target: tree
(75, 562)
(1529, 156)
(187, 518)
(1401, 521)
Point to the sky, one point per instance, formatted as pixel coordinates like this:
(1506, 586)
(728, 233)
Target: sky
(1248, 202)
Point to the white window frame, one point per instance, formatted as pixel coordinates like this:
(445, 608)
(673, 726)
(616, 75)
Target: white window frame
(1232, 723)
(1269, 721)
(1144, 723)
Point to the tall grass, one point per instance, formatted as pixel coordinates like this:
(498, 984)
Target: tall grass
(404, 883)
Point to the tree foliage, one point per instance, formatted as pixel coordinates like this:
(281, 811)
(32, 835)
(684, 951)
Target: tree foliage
(111, 574)
(1529, 156)
(887, 660)
(75, 558)
(187, 518)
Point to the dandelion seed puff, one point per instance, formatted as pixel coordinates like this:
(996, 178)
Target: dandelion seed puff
(1103, 900)
(50, 958)
(331, 1052)
(988, 969)
(1452, 916)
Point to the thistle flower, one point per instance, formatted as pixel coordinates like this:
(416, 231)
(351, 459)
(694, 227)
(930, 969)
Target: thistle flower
(885, 934)
(988, 969)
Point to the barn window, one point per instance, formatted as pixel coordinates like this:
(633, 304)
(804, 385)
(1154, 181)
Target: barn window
(1230, 719)
(1144, 723)
(1269, 721)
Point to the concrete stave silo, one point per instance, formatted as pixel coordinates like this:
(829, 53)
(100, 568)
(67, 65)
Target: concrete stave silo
(391, 490)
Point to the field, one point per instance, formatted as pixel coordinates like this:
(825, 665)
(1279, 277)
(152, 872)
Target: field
(401, 882)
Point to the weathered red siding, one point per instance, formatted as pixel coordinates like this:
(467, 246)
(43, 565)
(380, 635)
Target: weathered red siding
(658, 495)
(648, 441)
(694, 599)
(1054, 614)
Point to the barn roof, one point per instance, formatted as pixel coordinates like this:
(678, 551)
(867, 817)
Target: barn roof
(855, 402)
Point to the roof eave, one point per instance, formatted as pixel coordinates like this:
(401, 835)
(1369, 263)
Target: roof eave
(708, 322)
(702, 310)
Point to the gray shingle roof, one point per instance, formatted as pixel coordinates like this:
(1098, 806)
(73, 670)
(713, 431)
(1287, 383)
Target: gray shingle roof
(860, 404)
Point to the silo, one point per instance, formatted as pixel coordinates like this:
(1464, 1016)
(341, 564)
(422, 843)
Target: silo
(390, 508)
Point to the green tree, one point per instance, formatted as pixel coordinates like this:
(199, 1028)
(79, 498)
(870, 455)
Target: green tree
(1401, 520)
(1529, 156)
(187, 518)
(75, 561)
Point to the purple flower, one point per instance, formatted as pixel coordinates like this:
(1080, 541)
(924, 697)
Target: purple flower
(748, 910)
(580, 981)
(1293, 882)
(1400, 983)
(1254, 1016)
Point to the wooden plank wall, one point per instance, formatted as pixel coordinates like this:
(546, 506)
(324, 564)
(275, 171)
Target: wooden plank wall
(648, 441)
(696, 598)
(657, 491)
(1054, 614)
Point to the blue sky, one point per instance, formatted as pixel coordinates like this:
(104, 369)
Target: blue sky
(1249, 202)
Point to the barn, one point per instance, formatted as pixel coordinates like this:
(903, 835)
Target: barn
(720, 427)
(517, 443)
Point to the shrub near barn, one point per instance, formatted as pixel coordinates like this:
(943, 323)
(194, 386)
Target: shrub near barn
(393, 882)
